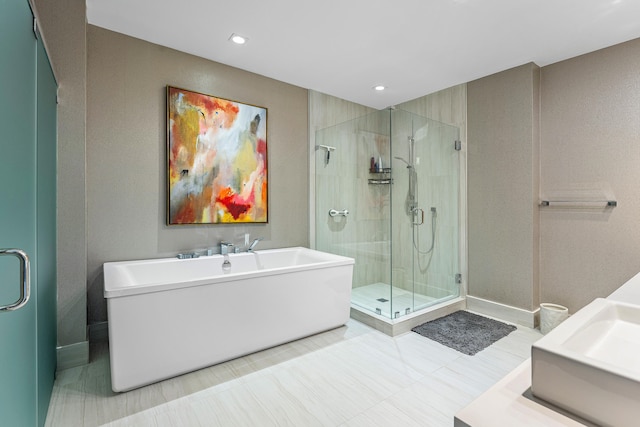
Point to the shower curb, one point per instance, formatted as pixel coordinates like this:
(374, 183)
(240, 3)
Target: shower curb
(394, 327)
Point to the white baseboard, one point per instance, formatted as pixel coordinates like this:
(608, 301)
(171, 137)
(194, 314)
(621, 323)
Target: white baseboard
(70, 356)
(504, 312)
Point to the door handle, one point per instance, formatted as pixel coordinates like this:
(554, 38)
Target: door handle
(25, 279)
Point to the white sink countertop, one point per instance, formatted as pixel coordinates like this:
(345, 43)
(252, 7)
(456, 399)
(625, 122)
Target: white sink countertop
(510, 401)
(589, 366)
(629, 292)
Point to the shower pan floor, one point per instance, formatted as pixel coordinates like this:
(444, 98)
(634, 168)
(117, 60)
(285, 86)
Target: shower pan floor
(378, 296)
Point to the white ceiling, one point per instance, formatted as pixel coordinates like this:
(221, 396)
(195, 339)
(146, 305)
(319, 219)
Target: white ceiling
(345, 47)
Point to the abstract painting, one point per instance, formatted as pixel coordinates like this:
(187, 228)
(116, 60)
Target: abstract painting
(217, 160)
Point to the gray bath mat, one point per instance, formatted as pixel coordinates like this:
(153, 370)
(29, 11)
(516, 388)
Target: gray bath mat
(466, 332)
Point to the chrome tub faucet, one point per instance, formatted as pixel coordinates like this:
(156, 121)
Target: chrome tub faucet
(253, 244)
(225, 248)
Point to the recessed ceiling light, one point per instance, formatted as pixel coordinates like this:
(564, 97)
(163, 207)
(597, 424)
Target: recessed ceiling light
(379, 88)
(238, 39)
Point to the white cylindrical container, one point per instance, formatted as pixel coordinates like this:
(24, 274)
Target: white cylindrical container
(551, 315)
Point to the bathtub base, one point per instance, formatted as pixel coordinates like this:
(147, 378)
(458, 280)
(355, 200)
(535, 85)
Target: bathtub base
(158, 335)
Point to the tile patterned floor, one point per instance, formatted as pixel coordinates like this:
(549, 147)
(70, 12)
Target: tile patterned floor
(350, 376)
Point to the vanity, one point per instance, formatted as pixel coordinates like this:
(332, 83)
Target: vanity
(586, 372)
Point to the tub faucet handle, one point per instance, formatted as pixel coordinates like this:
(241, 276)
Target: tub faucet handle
(224, 247)
(254, 244)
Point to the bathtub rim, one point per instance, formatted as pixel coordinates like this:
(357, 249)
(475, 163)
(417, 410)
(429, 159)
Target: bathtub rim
(119, 291)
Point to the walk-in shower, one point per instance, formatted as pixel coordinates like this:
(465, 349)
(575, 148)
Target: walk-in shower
(398, 176)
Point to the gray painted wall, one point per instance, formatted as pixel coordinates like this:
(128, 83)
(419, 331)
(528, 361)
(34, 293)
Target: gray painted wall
(503, 182)
(64, 29)
(588, 121)
(126, 141)
(591, 141)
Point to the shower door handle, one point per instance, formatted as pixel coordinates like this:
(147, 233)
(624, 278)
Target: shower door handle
(25, 279)
(415, 214)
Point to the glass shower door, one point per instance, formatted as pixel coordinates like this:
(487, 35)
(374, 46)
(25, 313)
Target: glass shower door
(425, 212)
(397, 175)
(352, 173)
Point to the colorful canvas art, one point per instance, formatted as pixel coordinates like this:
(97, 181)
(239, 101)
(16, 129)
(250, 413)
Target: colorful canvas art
(217, 160)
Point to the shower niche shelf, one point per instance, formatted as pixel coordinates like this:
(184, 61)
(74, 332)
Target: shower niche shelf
(382, 177)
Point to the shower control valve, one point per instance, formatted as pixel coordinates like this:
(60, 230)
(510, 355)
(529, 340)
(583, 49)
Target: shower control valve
(418, 215)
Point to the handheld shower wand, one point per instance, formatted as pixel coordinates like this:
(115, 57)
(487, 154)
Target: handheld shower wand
(410, 202)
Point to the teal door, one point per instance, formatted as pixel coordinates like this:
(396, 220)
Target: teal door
(45, 257)
(27, 219)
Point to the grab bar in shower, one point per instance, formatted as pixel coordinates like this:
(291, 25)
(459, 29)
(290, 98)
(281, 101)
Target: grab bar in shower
(334, 212)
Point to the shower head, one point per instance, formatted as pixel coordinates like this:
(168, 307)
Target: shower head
(409, 165)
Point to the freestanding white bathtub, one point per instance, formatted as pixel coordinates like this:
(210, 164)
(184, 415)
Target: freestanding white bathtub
(170, 316)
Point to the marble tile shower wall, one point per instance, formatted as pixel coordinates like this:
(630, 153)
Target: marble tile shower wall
(446, 106)
(343, 183)
(436, 164)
